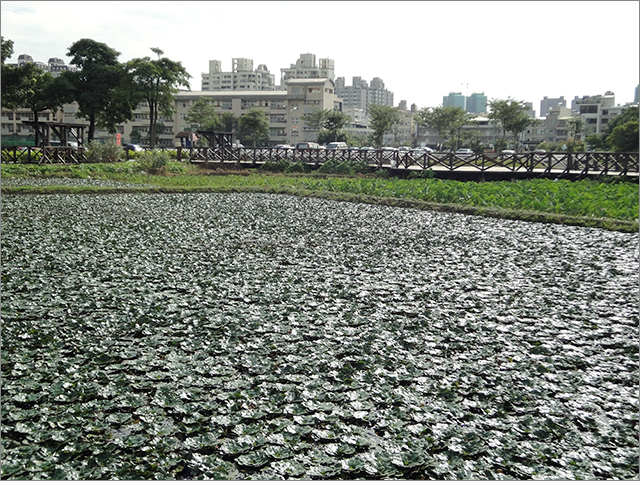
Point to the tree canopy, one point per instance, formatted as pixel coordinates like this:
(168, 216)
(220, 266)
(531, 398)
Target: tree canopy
(156, 81)
(203, 113)
(446, 121)
(383, 119)
(254, 127)
(620, 134)
(511, 115)
(330, 121)
(29, 86)
(101, 86)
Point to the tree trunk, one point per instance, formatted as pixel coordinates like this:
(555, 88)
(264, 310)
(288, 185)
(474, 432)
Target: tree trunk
(92, 128)
(152, 125)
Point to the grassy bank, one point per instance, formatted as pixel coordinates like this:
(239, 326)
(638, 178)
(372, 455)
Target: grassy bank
(609, 204)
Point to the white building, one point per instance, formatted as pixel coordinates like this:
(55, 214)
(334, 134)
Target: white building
(360, 94)
(306, 67)
(242, 76)
(596, 110)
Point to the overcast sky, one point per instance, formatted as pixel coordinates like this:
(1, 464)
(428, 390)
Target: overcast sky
(421, 50)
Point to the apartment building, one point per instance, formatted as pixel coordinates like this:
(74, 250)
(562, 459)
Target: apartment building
(596, 110)
(54, 65)
(358, 126)
(546, 104)
(361, 94)
(242, 76)
(284, 110)
(551, 128)
(306, 67)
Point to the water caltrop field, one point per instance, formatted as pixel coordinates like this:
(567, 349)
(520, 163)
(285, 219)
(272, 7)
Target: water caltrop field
(262, 336)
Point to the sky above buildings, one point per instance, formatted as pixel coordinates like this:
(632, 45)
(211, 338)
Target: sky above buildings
(422, 50)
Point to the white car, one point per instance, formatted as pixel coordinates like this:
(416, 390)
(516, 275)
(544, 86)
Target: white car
(464, 153)
(284, 147)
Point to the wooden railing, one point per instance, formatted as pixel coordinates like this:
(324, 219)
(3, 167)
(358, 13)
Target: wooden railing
(579, 163)
(601, 163)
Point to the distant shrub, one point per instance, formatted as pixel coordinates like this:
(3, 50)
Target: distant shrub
(334, 166)
(107, 152)
(276, 166)
(154, 161)
(422, 174)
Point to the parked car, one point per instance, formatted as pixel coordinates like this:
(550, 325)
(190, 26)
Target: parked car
(367, 148)
(464, 153)
(508, 152)
(307, 145)
(540, 151)
(404, 148)
(283, 147)
(421, 150)
(133, 147)
(337, 146)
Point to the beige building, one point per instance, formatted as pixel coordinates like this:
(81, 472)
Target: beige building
(283, 108)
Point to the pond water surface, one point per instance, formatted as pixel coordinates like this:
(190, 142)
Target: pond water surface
(262, 336)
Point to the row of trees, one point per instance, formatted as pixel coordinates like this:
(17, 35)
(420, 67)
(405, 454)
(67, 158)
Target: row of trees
(511, 115)
(253, 126)
(106, 90)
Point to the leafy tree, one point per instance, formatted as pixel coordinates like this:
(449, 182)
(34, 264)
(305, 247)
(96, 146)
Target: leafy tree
(575, 128)
(135, 136)
(156, 82)
(228, 122)
(331, 121)
(7, 49)
(325, 136)
(334, 122)
(603, 142)
(315, 119)
(624, 137)
(203, 113)
(31, 87)
(511, 115)
(446, 121)
(254, 126)
(100, 86)
(383, 119)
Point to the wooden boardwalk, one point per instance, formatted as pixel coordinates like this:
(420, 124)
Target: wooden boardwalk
(442, 164)
(401, 163)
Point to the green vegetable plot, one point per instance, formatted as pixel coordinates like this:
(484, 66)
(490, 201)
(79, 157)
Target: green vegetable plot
(258, 336)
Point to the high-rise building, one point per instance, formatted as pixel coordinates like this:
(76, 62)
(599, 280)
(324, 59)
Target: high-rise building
(477, 103)
(547, 104)
(360, 95)
(455, 99)
(306, 67)
(241, 77)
